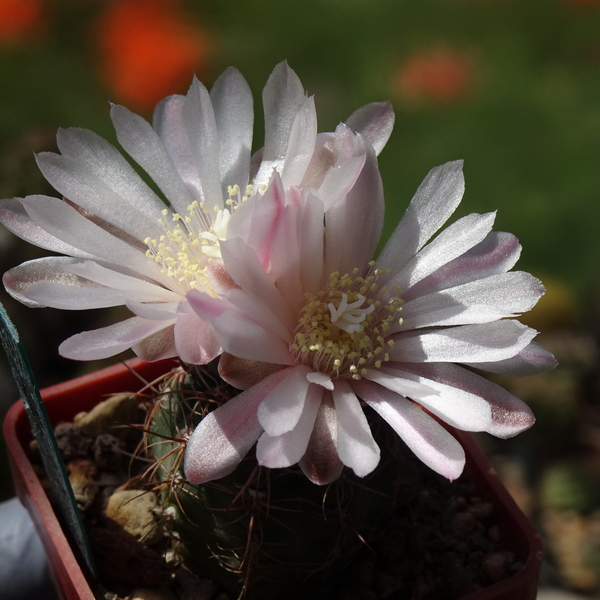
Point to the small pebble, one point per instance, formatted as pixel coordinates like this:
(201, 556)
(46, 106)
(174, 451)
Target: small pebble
(72, 441)
(108, 452)
(120, 409)
(134, 511)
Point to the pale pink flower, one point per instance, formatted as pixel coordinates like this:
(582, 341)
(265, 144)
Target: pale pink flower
(127, 244)
(323, 330)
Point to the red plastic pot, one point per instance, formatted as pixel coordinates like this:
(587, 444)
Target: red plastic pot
(65, 400)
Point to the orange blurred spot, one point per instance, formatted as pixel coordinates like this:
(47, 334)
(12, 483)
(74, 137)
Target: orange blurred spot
(440, 75)
(149, 50)
(19, 19)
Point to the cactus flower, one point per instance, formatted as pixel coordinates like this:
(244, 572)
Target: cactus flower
(324, 330)
(126, 244)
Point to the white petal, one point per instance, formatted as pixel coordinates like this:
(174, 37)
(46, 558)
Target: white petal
(281, 409)
(111, 340)
(199, 119)
(434, 202)
(484, 342)
(283, 97)
(226, 435)
(143, 144)
(233, 106)
(455, 240)
(496, 254)
(63, 221)
(355, 444)
(401, 384)
(157, 346)
(340, 179)
(311, 236)
(301, 144)
(489, 299)
(430, 442)
(374, 122)
(15, 218)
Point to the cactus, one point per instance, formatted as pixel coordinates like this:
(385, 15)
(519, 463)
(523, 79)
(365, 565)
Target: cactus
(261, 533)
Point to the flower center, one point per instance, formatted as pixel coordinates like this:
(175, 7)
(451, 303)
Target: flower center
(184, 249)
(342, 330)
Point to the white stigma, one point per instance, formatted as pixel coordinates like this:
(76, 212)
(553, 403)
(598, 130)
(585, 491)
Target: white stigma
(350, 317)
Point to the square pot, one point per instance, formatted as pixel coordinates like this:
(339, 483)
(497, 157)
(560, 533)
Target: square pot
(65, 400)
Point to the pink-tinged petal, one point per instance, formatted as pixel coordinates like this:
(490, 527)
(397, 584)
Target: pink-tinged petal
(354, 224)
(226, 435)
(430, 442)
(455, 240)
(484, 342)
(63, 221)
(497, 253)
(374, 122)
(220, 280)
(142, 143)
(321, 463)
(15, 218)
(254, 220)
(533, 359)
(322, 161)
(168, 122)
(287, 449)
(340, 179)
(434, 202)
(199, 120)
(311, 239)
(242, 373)
(44, 282)
(480, 301)
(281, 409)
(245, 269)
(470, 402)
(233, 106)
(195, 340)
(154, 311)
(242, 337)
(205, 306)
(301, 144)
(355, 444)
(136, 289)
(258, 312)
(111, 340)
(283, 97)
(285, 257)
(158, 346)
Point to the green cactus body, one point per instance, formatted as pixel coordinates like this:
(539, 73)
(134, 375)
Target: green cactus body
(262, 533)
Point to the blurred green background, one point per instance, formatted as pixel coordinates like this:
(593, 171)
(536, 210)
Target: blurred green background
(510, 86)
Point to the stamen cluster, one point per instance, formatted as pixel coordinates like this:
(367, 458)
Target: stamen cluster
(185, 250)
(342, 329)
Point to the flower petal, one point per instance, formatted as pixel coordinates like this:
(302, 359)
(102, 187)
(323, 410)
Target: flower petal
(468, 401)
(484, 342)
(374, 122)
(287, 449)
(480, 301)
(355, 444)
(111, 340)
(158, 346)
(225, 435)
(434, 202)
(242, 337)
(321, 463)
(497, 253)
(143, 144)
(234, 115)
(281, 409)
(195, 340)
(242, 373)
(455, 240)
(533, 359)
(430, 442)
(300, 145)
